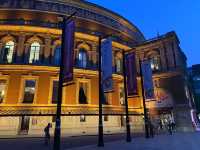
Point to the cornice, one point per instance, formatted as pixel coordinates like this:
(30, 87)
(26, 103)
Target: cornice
(31, 69)
(99, 9)
(57, 32)
(85, 10)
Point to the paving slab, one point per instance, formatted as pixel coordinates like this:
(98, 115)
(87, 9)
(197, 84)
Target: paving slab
(177, 141)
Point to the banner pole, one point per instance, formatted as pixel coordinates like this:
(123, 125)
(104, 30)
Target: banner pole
(144, 103)
(57, 133)
(128, 132)
(100, 125)
(56, 145)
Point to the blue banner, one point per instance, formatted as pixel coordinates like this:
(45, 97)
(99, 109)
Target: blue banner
(68, 45)
(106, 52)
(131, 74)
(147, 80)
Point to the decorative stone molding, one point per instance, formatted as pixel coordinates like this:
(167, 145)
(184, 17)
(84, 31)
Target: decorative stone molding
(47, 47)
(88, 11)
(20, 47)
(84, 45)
(34, 38)
(7, 38)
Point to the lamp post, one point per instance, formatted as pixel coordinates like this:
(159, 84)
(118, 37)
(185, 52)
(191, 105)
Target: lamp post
(57, 132)
(128, 132)
(100, 125)
(144, 104)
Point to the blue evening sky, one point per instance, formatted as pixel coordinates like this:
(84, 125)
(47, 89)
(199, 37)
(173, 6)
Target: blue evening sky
(153, 16)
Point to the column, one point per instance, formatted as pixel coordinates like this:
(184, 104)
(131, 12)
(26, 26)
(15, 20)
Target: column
(89, 61)
(95, 54)
(47, 50)
(42, 52)
(20, 48)
(162, 58)
(1, 54)
(137, 57)
(76, 57)
(26, 53)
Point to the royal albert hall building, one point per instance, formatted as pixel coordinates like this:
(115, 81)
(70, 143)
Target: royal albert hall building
(30, 47)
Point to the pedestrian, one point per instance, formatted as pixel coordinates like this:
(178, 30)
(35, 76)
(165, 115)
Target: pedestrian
(47, 134)
(160, 124)
(151, 127)
(173, 126)
(170, 127)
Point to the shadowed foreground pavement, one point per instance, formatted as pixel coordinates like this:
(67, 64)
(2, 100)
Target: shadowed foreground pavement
(177, 141)
(28, 143)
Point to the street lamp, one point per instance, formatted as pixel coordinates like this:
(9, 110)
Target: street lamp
(100, 125)
(144, 104)
(57, 133)
(128, 132)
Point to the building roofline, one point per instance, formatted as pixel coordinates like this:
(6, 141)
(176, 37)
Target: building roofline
(160, 37)
(109, 12)
(116, 14)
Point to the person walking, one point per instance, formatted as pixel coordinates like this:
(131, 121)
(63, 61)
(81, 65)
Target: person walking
(151, 127)
(173, 126)
(170, 127)
(47, 134)
(160, 124)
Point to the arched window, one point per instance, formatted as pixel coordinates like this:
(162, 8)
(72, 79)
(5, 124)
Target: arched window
(155, 63)
(57, 55)
(82, 58)
(83, 93)
(9, 51)
(34, 53)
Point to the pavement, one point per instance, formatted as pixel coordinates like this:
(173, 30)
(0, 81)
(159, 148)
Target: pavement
(177, 141)
(37, 143)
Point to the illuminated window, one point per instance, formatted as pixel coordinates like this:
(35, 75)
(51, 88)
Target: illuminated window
(155, 63)
(34, 53)
(82, 58)
(119, 65)
(197, 78)
(53, 118)
(57, 55)
(29, 91)
(121, 96)
(82, 118)
(55, 92)
(2, 90)
(108, 98)
(105, 117)
(83, 93)
(187, 92)
(9, 51)
(34, 121)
